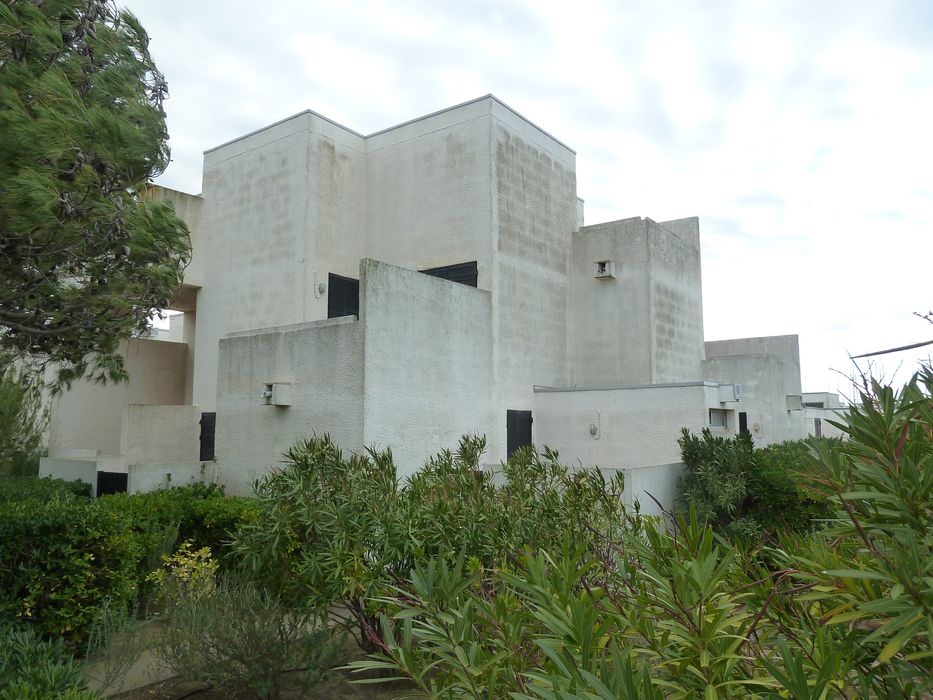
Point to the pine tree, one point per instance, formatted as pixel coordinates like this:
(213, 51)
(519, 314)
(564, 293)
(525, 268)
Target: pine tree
(85, 256)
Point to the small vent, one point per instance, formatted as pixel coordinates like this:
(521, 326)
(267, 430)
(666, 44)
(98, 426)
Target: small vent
(605, 269)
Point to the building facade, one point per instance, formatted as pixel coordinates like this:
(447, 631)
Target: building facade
(404, 288)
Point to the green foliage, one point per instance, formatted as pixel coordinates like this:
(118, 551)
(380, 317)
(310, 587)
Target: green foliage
(60, 562)
(32, 668)
(235, 636)
(340, 531)
(23, 417)
(86, 256)
(158, 521)
(30, 488)
(745, 491)
(116, 641)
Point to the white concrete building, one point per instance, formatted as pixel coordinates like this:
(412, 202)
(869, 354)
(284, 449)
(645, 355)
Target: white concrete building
(304, 313)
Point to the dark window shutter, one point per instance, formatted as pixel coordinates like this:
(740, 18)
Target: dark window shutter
(464, 273)
(343, 296)
(517, 430)
(208, 425)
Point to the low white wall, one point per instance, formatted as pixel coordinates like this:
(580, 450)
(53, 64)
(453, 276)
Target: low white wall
(427, 362)
(160, 434)
(659, 480)
(634, 426)
(89, 416)
(151, 477)
(70, 470)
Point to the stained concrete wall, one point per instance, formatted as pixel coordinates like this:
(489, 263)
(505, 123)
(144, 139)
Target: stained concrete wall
(645, 325)
(150, 477)
(429, 192)
(90, 416)
(768, 370)
(70, 470)
(635, 426)
(283, 207)
(188, 208)
(535, 209)
(426, 362)
(322, 361)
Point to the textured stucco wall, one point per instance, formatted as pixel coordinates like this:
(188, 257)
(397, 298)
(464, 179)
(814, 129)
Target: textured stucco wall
(150, 477)
(160, 434)
(90, 416)
(676, 300)
(429, 192)
(282, 208)
(536, 213)
(427, 362)
(323, 363)
(188, 209)
(646, 324)
(611, 317)
(768, 369)
(635, 426)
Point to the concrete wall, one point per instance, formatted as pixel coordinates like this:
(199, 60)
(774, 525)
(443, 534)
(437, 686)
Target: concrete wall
(535, 209)
(188, 208)
(426, 362)
(635, 426)
(429, 192)
(659, 481)
(322, 362)
(645, 325)
(611, 323)
(676, 300)
(90, 416)
(768, 369)
(159, 434)
(283, 207)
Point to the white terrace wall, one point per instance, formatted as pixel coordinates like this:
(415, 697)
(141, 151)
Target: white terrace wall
(768, 369)
(635, 427)
(90, 416)
(321, 362)
(427, 362)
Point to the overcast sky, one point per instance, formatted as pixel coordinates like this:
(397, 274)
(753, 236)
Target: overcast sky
(799, 132)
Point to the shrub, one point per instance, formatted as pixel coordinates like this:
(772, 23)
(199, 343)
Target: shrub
(32, 668)
(338, 531)
(842, 612)
(745, 491)
(29, 487)
(59, 562)
(235, 636)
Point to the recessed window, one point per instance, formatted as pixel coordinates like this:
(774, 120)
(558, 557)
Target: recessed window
(717, 418)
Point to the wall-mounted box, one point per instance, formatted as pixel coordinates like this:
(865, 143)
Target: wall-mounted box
(277, 394)
(604, 269)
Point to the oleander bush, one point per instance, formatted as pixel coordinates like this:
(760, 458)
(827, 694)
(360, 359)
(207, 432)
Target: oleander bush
(747, 492)
(842, 610)
(339, 531)
(32, 668)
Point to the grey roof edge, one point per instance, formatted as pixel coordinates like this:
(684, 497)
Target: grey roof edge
(311, 112)
(612, 387)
